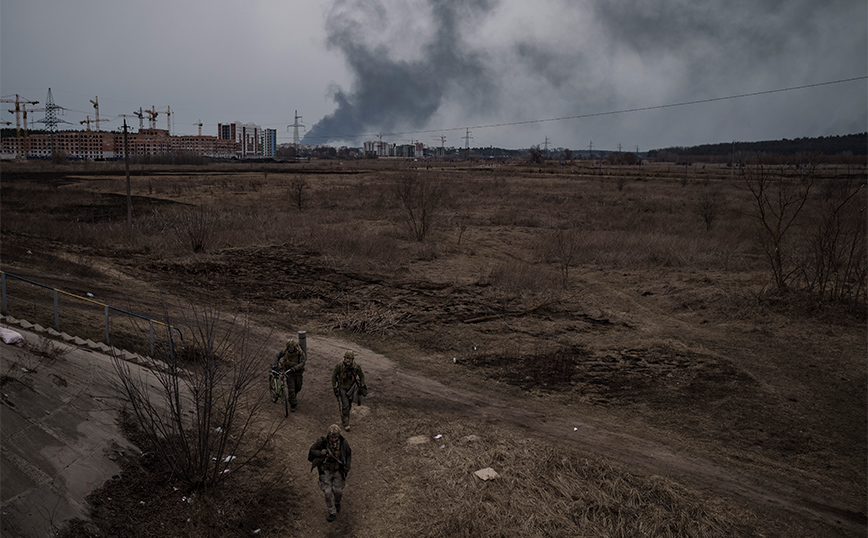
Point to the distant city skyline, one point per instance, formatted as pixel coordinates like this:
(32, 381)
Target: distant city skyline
(429, 68)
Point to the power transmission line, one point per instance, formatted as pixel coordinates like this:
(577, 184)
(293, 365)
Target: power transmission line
(639, 109)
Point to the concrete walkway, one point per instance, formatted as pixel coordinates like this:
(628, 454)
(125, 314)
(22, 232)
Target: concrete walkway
(58, 431)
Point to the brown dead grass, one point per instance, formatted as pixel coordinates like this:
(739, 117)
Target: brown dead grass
(661, 323)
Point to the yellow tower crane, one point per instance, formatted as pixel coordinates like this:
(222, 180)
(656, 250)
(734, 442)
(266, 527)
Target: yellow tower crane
(168, 114)
(20, 104)
(95, 103)
(152, 116)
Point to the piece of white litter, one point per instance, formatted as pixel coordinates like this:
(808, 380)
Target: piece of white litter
(454, 360)
(89, 294)
(229, 458)
(438, 436)
(442, 446)
(218, 429)
(256, 531)
(225, 471)
(11, 337)
(575, 429)
(486, 474)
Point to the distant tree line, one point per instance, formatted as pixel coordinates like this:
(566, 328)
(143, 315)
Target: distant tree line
(845, 145)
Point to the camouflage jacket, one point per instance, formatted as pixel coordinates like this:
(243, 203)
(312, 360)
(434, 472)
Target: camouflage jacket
(294, 359)
(344, 377)
(316, 455)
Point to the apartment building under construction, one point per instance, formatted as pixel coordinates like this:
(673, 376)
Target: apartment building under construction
(97, 145)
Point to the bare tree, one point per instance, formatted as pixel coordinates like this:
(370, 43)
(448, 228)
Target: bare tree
(835, 267)
(199, 415)
(779, 194)
(708, 207)
(298, 191)
(565, 245)
(421, 196)
(536, 155)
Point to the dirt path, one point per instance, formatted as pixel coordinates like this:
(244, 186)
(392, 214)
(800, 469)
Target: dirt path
(392, 384)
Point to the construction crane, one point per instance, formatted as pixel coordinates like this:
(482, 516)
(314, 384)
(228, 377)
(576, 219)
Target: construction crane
(200, 127)
(87, 120)
(152, 116)
(168, 114)
(141, 118)
(20, 104)
(95, 102)
(24, 112)
(442, 139)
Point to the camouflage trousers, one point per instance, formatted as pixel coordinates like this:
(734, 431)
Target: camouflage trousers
(293, 387)
(347, 398)
(332, 485)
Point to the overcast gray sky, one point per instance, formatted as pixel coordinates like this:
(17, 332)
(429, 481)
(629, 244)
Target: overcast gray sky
(422, 69)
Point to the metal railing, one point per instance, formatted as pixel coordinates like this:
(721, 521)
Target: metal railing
(107, 308)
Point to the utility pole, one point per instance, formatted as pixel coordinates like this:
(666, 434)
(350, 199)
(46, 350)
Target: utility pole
(467, 139)
(127, 170)
(296, 139)
(732, 165)
(547, 148)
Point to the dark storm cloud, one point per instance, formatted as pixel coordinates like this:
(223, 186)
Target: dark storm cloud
(389, 92)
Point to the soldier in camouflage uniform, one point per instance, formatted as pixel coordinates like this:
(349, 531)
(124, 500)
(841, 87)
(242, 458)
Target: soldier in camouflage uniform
(348, 384)
(331, 456)
(292, 359)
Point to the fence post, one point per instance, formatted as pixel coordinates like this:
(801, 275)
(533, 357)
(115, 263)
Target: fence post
(3, 285)
(151, 336)
(56, 312)
(107, 339)
(302, 341)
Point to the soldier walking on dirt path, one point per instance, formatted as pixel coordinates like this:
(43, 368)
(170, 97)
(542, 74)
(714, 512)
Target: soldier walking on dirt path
(292, 359)
(348, 384)
(331, 455)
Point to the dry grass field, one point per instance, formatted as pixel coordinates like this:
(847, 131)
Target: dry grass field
(611, 340)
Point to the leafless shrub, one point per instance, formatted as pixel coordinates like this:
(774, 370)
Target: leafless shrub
(197, 227)
(420, 197)
(199, 415)
(836, 262)
(779, 194)
(708, 207)
(298, 192)
(563, 247)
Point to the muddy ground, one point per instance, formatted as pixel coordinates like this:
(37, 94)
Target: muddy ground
(681, 372)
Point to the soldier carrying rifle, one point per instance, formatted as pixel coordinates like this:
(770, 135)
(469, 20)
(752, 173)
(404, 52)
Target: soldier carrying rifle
(348, 384)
